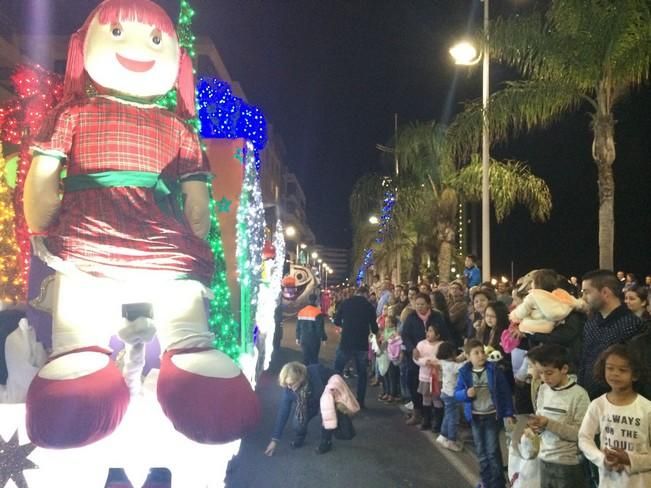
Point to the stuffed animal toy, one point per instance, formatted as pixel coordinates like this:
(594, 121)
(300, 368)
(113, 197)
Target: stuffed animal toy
(128, 258)
(493, 355)
(542, 310)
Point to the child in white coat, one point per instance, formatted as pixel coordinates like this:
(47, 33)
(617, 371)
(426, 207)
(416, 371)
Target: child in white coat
(622, 418)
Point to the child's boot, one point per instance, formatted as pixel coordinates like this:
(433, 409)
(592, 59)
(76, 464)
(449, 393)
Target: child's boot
(438, 420)
(427, 418)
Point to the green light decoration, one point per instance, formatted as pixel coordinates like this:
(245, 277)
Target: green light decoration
(11, 167)
(221, 321)
(187, 41)
(184, 32)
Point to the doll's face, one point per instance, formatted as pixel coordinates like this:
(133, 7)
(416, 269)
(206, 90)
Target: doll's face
(131, 58)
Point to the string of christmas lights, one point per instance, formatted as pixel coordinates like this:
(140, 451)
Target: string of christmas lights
(223, 115)
(221, 320)
(388, 203)
(250, 240)
(37, 93)
(11, 280)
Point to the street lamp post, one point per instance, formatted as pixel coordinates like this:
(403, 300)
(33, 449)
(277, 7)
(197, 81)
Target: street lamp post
(485, 160)
(466, 54)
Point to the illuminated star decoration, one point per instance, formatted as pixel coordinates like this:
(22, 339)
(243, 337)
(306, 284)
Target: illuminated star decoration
(13, 461)
(224, 205)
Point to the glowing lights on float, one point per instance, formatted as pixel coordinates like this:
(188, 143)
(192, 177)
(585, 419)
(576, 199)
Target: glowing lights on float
(11, 279)
(37, 92)
(250, 240)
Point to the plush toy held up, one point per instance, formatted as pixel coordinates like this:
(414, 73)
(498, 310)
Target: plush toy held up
(128, 258)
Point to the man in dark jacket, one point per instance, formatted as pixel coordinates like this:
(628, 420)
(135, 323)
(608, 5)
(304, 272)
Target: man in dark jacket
(611, 323)
(356, 317)
(310, 331)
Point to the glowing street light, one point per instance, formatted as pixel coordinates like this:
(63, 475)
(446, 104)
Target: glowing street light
(374, 220)
(290, 231)
(303, 245)
(466, 54)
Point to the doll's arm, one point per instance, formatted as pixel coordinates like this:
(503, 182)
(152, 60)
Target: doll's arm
(196, 207)
(41, 199)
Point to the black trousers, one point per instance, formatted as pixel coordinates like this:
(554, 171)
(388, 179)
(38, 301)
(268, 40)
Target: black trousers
(412, 384)
(311, 347)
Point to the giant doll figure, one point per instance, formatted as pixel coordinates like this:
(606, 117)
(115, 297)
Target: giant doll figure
(115, 240)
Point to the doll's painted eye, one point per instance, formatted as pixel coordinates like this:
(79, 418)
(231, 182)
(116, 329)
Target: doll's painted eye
(116, 30)
(156, 37)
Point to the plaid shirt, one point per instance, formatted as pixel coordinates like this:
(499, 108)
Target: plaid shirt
(103, 230)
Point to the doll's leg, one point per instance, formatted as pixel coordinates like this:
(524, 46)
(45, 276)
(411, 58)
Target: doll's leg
(200, 389)
(79, 396)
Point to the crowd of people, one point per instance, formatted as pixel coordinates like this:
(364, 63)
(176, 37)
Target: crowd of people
(561, 362)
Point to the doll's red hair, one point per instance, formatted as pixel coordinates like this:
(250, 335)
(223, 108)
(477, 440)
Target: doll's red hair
(146, 12)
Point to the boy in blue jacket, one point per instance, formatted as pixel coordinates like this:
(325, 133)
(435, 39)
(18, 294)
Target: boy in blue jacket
(486, 398)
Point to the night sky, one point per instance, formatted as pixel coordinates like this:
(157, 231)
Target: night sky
(330, 75)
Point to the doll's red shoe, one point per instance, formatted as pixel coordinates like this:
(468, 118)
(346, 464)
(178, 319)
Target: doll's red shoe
(206, 396)
(76, 399)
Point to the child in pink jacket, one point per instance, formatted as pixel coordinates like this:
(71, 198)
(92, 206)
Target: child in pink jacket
(336, 396)
(429, 382)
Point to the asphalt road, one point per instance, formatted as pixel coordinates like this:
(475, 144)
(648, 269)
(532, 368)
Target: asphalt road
(385, 453)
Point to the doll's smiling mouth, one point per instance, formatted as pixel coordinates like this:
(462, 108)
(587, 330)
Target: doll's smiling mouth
(134, 65)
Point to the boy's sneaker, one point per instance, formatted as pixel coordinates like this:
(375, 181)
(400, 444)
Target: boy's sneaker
(455, 446)
(323, 447)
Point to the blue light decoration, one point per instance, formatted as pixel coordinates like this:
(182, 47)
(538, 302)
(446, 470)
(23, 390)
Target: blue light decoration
(387, 212)
(225, 116)
(388, 203)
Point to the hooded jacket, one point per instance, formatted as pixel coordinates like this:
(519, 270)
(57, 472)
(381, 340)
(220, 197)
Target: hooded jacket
(497, 385)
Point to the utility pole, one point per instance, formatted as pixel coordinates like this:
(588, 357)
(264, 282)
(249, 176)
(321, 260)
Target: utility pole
(395, 160)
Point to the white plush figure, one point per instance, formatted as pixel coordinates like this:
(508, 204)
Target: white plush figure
(542, 310)
(128, 259)
(23, 357)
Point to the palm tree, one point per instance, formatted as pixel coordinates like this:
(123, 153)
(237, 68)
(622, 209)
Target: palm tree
(429, 187)
(423, 151)
(580, 54)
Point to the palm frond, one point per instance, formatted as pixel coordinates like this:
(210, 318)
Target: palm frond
(520, 107)
(366, 197)
(421, 152)
(511, 183)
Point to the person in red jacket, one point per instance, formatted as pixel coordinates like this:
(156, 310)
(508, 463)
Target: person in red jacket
(310, 331)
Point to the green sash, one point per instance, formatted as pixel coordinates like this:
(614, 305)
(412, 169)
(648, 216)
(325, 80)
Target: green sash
(114, 179)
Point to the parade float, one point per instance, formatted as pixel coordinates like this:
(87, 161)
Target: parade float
(138, 286)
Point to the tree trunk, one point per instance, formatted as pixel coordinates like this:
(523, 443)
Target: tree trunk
(415, 264)
(603, 153)
(445, 261)
(446, 250)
